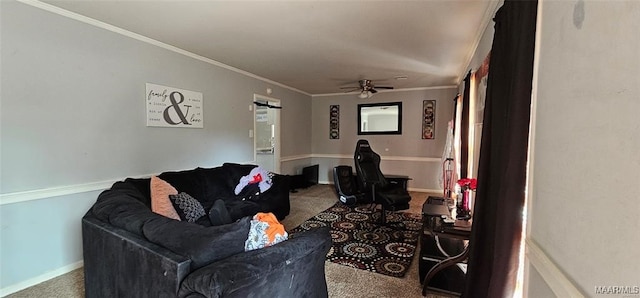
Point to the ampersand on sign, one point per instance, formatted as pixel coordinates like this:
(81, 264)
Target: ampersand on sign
(175, 105)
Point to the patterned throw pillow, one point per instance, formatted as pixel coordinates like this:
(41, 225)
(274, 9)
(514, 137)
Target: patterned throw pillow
(187, 207)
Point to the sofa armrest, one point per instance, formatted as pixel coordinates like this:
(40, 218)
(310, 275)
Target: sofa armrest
(118, 263)
(293, 268)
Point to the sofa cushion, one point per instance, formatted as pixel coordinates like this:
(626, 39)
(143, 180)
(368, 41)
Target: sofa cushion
(124, 206)
(160, 203)
(215, 183)
(205, 184)
(202, 245)
(235, 172)
(188, 181)
(188, 208)
(293, 268)
(143, 185)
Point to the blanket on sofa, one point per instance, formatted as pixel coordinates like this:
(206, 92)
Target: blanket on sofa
(265, 231)
(257, 176)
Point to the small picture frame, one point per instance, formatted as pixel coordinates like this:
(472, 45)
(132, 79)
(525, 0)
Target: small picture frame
(334, 122)
(428, 119)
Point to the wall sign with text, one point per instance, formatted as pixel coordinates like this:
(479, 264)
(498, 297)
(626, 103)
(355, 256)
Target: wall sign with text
(173, 107)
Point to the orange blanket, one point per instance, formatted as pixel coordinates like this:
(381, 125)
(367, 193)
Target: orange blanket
(265, 231)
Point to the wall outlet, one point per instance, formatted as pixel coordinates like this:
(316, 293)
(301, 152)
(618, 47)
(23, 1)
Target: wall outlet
(251, 133)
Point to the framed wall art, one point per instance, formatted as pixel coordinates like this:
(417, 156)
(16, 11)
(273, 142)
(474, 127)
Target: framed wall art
(428, 119)
(173, 107)
(334, 122)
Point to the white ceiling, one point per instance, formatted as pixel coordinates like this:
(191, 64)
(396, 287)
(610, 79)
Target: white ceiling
(313, 46)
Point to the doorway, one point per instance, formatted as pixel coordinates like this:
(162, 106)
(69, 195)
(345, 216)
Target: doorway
(266, 125)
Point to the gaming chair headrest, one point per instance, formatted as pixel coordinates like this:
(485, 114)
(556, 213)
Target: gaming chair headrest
(364, 152)
(363, 145)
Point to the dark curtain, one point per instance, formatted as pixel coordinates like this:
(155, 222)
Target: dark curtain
(497, 221)
(455, 108)
(464, 128)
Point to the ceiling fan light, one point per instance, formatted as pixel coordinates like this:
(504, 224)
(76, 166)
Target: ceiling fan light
(365, 94)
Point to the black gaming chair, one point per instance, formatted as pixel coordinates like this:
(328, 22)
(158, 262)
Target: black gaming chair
(392, 197)
(346, 186)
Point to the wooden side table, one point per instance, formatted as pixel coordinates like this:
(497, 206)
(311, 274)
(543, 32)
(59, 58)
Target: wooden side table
(433, 225)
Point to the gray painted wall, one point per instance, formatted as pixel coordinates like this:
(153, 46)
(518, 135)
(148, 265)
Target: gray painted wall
(584, 211)
(73, 113)
(538, 287)
(409, 146)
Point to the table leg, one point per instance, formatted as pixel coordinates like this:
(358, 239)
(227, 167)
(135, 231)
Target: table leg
(442, 265)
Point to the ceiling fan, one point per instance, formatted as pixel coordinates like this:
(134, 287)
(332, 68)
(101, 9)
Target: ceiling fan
(367, 88)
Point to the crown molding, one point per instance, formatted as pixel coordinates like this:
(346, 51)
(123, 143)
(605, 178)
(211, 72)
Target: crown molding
(491, 10)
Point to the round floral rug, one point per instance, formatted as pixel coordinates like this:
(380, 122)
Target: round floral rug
(360, 242)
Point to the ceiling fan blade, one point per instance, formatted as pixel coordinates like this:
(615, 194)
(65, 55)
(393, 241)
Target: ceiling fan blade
(374, 91)
(384, 87)
(351, 89)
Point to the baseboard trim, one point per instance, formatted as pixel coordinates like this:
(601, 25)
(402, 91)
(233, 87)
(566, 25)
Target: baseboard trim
(40, 278)
(552, 275)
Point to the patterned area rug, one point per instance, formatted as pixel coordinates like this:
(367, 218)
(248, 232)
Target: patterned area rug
(361, 244)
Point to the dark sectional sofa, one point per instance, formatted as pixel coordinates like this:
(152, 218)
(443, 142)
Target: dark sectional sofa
(129, 251)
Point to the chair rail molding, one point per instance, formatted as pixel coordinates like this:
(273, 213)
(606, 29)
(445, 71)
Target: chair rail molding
(392, 158)
(56, 191)
(552, 275)
(295, 157)
(50, 192)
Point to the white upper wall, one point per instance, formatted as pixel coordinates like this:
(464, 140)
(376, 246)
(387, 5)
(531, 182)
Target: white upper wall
(584, 209)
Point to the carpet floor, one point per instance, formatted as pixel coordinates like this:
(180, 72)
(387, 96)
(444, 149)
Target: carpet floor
(342, 281)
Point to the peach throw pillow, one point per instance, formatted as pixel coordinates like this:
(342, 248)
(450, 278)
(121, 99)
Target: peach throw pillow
(160, 203)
